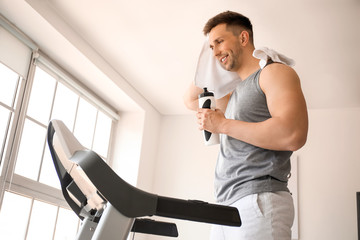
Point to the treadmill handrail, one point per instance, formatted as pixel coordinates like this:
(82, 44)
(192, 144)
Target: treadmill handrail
(64, 177)
(131, 201)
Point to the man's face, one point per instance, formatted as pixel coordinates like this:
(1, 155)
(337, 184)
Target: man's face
(226, 47)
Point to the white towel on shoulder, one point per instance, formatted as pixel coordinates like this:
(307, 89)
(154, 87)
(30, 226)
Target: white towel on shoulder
(264, 54)
(211, 75)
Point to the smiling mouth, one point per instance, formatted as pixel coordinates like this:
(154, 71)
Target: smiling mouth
(223, 59)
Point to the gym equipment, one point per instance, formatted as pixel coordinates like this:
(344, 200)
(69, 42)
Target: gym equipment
(108, 206)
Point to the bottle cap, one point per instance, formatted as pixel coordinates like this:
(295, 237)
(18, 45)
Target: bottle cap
(206, 93)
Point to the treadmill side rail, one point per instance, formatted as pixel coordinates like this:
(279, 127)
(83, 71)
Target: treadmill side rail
(108, 205)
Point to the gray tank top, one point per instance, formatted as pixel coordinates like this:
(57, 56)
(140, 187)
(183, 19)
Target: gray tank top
(242, 168)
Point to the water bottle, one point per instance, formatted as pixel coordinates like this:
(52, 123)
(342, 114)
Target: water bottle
(207, 100)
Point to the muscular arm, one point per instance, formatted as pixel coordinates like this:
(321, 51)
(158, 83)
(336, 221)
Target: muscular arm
(285, 130)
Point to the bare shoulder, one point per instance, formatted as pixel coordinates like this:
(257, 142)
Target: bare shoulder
(278, 75)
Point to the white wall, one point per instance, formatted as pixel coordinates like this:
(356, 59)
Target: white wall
(135, 147)
(328, 173)
(184, 169)
(149, 147)
(127, 145)
(185, 166)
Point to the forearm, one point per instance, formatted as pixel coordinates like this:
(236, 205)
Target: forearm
(273, 134)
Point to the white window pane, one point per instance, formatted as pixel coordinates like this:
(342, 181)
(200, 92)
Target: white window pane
(41, 96)
(8, 80)
(85, 123)
(4, 133)
(65, 105)
(48, 173)
(102, 134)
(4, 118)
(42, 221)
(67, 225)
(30, 151)
(14, 216)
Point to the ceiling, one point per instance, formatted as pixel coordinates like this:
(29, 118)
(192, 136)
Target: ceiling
(145, 52)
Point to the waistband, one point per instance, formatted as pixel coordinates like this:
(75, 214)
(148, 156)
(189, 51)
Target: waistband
(265, 178)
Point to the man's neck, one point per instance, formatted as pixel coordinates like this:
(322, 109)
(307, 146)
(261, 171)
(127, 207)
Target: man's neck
(249, 65)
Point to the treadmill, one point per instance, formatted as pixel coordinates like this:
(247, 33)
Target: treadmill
(109, 207)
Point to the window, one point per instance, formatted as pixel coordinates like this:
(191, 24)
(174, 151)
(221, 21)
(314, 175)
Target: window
(31, 202)
(9, 82)
(23, 217)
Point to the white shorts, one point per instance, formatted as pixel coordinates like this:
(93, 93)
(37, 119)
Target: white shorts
(264, 216)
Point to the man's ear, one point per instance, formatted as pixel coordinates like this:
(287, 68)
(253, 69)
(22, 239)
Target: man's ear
(244, 38)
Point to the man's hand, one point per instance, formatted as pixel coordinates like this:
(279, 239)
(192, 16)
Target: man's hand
(210, 120)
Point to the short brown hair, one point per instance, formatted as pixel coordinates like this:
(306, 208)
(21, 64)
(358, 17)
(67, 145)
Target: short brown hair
(231, 19)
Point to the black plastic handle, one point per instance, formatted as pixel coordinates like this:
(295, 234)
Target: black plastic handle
(199, 211)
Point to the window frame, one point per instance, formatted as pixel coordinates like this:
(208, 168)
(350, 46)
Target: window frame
(21, 185)
(15, 183)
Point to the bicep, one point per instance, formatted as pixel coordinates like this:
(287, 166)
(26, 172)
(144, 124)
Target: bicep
(284, 96)
(191, 97)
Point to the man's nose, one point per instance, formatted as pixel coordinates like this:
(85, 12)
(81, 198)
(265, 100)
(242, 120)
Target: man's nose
(216, 51)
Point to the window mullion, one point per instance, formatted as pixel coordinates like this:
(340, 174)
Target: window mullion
(36, 121)
(16, 127)
(28, 222)
(56, 220)
(6, 106)
(33, 189)
(15, 94)
(94, 131)
(53, 100)
(109, 159)
(19, 118)
(42, 159)
(76, 114)
(8, 124)
(51, 109)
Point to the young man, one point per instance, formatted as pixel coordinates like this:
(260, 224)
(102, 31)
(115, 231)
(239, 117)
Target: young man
(262, 121)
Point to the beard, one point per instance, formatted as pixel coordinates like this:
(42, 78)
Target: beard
(232, 62)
